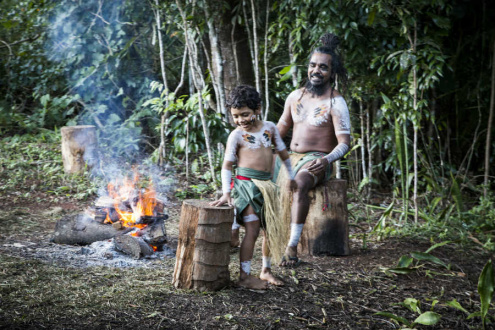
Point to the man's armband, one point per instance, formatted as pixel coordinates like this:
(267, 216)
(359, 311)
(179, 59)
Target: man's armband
(226, 178)
(338, 152)
(288, 166)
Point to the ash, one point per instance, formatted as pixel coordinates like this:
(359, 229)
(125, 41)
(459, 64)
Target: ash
(100, 253)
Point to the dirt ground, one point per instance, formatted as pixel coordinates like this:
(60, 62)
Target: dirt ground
(40, 287)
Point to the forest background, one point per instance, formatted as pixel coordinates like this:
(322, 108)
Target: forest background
(152, 76)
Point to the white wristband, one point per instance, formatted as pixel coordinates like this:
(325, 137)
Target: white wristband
(288, 166)
(338, 152)
(226, 179)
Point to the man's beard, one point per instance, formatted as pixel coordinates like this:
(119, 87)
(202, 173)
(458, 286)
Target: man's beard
(316, 90)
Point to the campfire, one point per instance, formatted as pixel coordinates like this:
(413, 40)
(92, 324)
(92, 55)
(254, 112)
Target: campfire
(130, 213)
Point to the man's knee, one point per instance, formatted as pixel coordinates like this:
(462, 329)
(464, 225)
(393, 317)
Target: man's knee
(304, 183)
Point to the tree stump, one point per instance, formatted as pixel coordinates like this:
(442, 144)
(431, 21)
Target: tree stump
(203, 249)
(327, 232)
(78, 147)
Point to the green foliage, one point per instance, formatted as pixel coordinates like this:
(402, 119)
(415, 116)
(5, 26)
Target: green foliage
(413, 305)
(34, 163)
(486, 283)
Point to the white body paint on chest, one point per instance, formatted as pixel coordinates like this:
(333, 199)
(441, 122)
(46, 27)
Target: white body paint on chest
(338, 112)
(265, 137)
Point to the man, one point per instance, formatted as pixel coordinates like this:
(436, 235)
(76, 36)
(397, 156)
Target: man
(321, 126)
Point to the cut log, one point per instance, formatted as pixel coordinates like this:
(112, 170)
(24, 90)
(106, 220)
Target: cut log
(155, 234)
(327, 232)
(81, 229)
(134, 246)
(78, 147)
(203, 249)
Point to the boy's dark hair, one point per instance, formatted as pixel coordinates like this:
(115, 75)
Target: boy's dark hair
(242, 96)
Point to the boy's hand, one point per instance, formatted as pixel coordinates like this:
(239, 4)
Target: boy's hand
(292, 185)
(225, 199)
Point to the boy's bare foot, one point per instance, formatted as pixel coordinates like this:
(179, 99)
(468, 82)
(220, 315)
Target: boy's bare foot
(267, 275)
(234, 238)
(290, 258)
(252, 282)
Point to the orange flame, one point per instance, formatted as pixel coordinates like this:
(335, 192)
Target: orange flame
(128, 191)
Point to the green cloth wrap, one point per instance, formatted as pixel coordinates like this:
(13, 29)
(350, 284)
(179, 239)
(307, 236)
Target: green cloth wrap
(311, 155)
(246, 193)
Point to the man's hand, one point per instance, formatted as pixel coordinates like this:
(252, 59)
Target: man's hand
(225, 199)
(318, 165)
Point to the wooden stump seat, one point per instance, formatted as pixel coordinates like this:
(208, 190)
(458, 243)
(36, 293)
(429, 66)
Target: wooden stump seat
(327, 232)
(79, 146)
(203, 250)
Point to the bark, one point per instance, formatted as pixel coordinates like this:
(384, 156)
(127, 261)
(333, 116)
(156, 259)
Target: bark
(203, 249)
(363, 151)
(81, 229)
(162, 149)
(256, 50)
(370, 152)
(216, 57)
(327, 232)
(292, 62)
(489, 128)
(265, 61)
(133, 246)
(236, 56)
(199, 84)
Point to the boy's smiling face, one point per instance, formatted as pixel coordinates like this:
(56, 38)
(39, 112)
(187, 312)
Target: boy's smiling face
(244, 117)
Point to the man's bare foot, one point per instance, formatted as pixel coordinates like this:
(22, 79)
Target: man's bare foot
(252, 282)
(267, 275)
(290, 258)
(234, 238)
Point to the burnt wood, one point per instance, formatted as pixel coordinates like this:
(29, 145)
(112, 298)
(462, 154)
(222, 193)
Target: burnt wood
(203, 249)
(326, 232)
(81, 229)
(133, 246)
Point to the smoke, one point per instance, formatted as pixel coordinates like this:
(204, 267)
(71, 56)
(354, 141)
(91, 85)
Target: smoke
(104, 49)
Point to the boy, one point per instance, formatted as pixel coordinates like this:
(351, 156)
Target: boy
(251, 145)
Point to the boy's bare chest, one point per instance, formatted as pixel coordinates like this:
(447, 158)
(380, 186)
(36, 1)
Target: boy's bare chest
(256, 140)
(314, 112)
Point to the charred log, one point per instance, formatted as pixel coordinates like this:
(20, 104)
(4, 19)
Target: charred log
(81, 229)
(133, 246)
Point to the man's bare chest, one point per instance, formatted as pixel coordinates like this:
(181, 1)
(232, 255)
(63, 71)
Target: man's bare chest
(312, 113)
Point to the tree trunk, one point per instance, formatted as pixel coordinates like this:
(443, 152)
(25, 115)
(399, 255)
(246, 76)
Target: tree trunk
(265, 61)
(489, 128)
(203, 249)
(216, 59)
(199, 84)
(162, 149)
(326, 232)
(78, 147)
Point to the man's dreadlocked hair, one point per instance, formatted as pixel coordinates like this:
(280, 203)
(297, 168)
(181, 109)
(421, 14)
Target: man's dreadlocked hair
(242, 96)
(330, 43)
